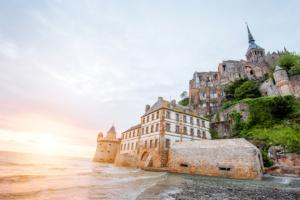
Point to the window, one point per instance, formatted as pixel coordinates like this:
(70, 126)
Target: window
(128, 145)
(147, 130)
(191, 120)
(184, 130)
(177, 129)
(203, 123)
(131, 146)
(152, 116)
(155, 143)
(198, 122)
(145, 143)
(224, 168)
(168, 127)
(184, 118)
(157, 114)
(156, 127)
(129, 135)
(168, 114)
(152, 128)
(198, 133)
(143, 120)
(148, 118)
(177, 117)
(192, 132)
(183, 165)
(167, 143)
(203, 135)
(142, 131)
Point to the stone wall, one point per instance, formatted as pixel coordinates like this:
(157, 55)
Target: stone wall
(126, 160)
(268, 88)
(231, 158)
(295, 84)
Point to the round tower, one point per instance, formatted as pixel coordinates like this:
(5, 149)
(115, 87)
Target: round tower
(282, 81)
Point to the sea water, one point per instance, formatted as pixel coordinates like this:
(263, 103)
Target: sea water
(29, 176)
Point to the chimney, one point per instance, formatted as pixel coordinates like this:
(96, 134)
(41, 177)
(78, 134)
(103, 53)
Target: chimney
(147, 108)
(173, 102)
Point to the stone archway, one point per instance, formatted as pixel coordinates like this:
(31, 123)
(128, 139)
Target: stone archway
(144, 156)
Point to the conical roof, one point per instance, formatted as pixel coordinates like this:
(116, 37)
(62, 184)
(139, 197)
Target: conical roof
(111, 133)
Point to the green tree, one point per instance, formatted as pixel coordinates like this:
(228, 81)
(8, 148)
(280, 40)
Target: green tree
(249, 89)
(230, 89)
(184, 101)
(290, 62)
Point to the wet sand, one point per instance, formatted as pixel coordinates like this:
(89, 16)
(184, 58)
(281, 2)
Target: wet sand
(186, 187)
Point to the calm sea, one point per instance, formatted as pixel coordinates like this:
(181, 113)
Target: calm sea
(28, 176)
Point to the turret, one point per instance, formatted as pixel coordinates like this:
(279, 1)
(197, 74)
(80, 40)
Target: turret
(254, 53)
(111, 133)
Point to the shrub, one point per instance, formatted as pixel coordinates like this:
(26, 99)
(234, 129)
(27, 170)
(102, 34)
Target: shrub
(248, 89)
(290, 62)
(230, 89)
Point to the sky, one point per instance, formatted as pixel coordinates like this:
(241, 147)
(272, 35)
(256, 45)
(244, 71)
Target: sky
(72, 68)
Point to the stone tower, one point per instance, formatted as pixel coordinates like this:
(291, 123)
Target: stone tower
(107, 147)
(282, 81)
(255, 53)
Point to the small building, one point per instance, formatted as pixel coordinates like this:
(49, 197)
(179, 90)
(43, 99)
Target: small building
(128, 153)
(107, 147)
(230, 158)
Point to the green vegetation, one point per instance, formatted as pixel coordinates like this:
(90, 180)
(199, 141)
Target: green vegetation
(242, 89)
(290, 62)
(248, 89)
(214, 134)
(184, 101)
(230, 89)
(269, 123)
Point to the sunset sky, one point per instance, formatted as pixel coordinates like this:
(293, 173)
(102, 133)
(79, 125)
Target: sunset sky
(69, 69)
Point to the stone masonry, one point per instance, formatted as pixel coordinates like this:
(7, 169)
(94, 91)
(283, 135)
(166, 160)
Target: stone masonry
(231, 158)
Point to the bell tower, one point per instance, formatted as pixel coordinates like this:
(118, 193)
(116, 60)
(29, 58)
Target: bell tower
(254, 53)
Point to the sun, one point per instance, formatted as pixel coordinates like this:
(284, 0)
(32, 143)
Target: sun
(46, 144)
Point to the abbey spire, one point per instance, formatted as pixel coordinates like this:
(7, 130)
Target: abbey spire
(250, 37)
(254, 53)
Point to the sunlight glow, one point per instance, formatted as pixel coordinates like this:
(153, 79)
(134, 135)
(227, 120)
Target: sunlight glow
(46, 144)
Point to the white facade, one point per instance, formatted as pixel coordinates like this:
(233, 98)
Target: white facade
(129, 142)
(174, 126)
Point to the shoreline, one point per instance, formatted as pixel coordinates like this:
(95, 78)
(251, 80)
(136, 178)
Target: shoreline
(188, 187)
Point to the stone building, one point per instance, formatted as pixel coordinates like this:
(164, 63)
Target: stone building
(128, 153)
(231, 158)
(107, 147)
(207, 89)
(163, 124)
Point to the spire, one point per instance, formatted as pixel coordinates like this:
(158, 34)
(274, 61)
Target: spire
(250, 37)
